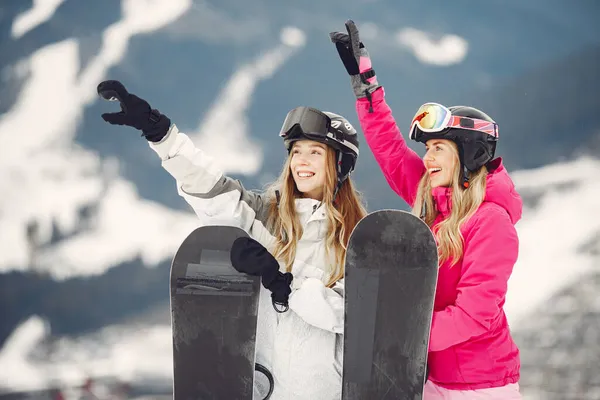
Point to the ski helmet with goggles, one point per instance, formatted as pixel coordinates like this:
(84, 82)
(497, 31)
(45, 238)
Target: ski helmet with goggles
(473, 131)
(306, 123)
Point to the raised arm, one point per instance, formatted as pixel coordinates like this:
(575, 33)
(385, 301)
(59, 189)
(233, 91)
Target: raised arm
(402, 167)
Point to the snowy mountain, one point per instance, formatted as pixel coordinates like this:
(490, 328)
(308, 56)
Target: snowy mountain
(89, 220)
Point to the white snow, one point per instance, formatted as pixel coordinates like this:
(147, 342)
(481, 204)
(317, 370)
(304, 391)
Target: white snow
(447, 50)
(127, 353)
(45, 176)
(293, 37)
(553, 233)
(127, 226)
(40, 12)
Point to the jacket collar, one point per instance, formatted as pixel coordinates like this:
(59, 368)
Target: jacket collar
(309, 210)
(442, 198)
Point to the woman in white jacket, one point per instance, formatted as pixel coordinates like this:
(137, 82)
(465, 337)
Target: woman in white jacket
(304, 219)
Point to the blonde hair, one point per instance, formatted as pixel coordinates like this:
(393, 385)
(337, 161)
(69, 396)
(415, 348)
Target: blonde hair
(465, 201)
(342, 216)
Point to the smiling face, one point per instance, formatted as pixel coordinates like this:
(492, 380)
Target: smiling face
(441, 161)
(308, 167)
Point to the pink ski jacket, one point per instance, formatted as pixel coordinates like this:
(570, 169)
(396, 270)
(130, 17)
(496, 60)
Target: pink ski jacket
(470, 345)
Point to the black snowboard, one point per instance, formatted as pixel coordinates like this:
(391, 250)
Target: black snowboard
(213, 316)
(391, 275)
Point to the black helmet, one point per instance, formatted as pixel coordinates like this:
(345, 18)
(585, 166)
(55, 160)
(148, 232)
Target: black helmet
(475, 135)
(304, 123)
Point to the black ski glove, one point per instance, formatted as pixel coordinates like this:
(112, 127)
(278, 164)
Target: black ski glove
(356, 59)
(250, 257)
(135, 112)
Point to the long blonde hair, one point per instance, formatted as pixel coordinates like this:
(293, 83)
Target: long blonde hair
(465, 201)
(342, 216)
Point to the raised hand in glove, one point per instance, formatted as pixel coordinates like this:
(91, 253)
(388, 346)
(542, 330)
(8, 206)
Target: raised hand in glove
(250, 257)
(135, 112)
(356, 59)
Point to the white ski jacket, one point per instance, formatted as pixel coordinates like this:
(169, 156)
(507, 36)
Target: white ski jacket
(303, 346)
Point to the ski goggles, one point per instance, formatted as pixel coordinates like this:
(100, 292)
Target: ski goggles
(433, 117)
(306, 121)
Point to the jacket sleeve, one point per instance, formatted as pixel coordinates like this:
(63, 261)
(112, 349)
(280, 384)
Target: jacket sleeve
(401, 166)
(491, 250)
(215, 198)
(319, 305)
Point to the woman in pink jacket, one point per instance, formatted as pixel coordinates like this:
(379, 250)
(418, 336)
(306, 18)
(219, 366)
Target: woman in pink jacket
(470, 202)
